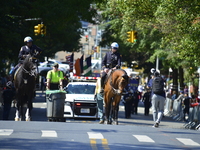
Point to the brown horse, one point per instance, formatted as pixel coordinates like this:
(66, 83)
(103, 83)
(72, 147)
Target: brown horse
(114, 87)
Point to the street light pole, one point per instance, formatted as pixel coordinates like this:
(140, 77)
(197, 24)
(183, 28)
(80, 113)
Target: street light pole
(157, 63)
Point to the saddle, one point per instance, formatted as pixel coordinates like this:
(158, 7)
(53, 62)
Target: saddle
(16, 72)
(107, 76)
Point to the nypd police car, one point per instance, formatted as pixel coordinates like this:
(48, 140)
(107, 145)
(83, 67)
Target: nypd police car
(80, 102)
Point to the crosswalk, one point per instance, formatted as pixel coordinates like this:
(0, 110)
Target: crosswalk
(93, 136)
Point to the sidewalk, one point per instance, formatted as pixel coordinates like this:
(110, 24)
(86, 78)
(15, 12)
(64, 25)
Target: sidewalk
(141, 120)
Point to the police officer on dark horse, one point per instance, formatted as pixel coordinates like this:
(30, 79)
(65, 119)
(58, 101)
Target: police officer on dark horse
(25, 77)
(112, 60)
(25, 50)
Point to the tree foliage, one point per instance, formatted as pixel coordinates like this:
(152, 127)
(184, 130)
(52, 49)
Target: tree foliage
(167, 29)
(61, 17)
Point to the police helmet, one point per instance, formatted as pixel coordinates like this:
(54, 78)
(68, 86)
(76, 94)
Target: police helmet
(153, 70)
(9, 84)
(114, 45)
(28, 39)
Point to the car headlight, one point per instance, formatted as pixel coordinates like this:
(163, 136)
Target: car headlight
(67, 103)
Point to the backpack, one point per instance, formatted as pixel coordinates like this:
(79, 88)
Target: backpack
(158, 85)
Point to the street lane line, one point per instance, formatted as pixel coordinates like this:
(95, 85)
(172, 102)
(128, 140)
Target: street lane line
(93, 144)
(49, 133)
(188, 142)
(95, 135)
(143, 138)
(105, 144)
(6, 132)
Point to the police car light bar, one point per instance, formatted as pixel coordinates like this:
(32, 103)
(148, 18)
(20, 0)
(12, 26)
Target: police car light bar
(83, 78)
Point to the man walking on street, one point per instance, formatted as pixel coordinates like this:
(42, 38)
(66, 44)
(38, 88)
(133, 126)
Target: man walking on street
(158, 98)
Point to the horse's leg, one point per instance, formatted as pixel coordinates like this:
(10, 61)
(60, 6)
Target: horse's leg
(29, 108)
(107, 109)
(116, 109)
(17, 116)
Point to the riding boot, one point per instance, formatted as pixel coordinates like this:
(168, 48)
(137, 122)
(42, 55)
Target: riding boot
(13, 72)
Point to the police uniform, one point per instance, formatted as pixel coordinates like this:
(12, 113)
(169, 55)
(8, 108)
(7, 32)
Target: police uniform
(25, 50)
(111, 60)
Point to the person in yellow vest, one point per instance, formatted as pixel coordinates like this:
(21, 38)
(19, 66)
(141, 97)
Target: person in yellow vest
(99, 98)
(54, 78)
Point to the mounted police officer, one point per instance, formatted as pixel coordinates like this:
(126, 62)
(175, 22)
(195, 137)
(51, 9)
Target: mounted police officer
(112, 60)
(25, 50)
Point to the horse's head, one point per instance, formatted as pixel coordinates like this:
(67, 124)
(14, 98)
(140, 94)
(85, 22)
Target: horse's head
(29, 66)
(119, 81)
(123, 82)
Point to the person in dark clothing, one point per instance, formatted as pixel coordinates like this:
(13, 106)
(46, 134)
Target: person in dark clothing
(27, 49)
(136, 98)
(186, 102)
(112, 60)
(128, 102)
(147, 102)
(8, 95)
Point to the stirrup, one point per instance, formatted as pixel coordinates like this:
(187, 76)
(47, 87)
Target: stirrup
(102, 90)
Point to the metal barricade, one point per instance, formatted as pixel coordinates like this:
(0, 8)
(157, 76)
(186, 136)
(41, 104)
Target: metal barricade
(177, 110)
(193, 118)
(168, 105)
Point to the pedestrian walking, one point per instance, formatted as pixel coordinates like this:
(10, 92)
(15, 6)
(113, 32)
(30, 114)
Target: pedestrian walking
(128, 102)
(147, 101)
(173, 97)
(136, 99)
(7, 95)
(158, 98)
(186, 103)
(99, 98)
(55, 78)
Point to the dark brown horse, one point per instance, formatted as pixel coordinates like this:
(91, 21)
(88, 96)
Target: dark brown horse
(114, 87)
(25, 84)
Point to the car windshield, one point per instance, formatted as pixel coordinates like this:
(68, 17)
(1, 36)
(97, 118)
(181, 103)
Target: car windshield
(80, 89)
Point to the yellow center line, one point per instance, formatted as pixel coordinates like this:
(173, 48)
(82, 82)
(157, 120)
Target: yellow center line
(105, 143)
(93, 144)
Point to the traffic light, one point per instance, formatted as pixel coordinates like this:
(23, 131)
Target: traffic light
(42, 29)
(37, 29)
(130, 36)
(86, 38)
(45, 30)
(134, 36)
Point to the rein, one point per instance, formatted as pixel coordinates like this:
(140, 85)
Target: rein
(116, 91)
(31, 72)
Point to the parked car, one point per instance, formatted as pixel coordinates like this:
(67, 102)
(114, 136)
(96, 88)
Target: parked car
(47, 65)
(80, 102)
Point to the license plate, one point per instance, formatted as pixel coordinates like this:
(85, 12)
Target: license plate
(85, 110)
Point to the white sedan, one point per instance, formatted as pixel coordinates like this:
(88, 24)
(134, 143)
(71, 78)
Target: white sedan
(80, 102)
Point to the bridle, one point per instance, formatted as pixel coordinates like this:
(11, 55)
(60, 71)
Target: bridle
(115, 90)
(31, 73)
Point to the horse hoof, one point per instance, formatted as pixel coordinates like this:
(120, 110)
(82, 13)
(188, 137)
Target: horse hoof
(17, 119)
(28, 119)
(115, 123)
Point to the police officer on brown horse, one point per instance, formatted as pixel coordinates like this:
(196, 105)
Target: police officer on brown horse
(112, 60)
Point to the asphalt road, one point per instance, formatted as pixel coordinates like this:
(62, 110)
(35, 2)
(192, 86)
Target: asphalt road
(135, 133)
(39, 114)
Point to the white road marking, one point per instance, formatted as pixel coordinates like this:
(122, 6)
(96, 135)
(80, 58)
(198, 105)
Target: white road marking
(95, 135)
(6, 132)
(144, 138)
(49, 133)
(188, 141)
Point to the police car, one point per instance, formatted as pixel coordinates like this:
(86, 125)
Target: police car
(80, 102)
